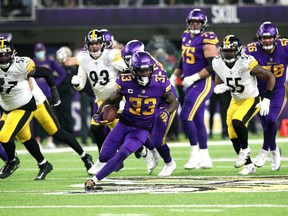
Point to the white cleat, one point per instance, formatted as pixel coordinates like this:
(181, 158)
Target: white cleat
(151, 159)
(275, 159)
(168, 169)
(242, 157)
(194, 160)
(206, 162)
(96, 167)
(248, 169)
(261, 158)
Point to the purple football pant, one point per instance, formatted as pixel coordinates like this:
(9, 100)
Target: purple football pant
(192, 113)
(269, 122)
(3, 154)
(126, 140)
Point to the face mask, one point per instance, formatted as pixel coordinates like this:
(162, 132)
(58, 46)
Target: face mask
(40, 54)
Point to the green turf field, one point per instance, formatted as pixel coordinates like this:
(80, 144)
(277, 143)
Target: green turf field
(218, 191)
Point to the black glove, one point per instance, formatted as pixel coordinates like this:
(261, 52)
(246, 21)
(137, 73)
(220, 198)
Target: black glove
(55, 98)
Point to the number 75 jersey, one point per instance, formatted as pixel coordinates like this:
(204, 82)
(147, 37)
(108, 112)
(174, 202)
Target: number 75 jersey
(242, 84)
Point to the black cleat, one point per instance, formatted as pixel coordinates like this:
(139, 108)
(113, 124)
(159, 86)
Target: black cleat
(88, 161)
(138, 152)
(44, 170)
(9, 168)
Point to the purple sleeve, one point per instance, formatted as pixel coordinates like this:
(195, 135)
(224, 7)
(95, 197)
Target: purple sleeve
(61, 73)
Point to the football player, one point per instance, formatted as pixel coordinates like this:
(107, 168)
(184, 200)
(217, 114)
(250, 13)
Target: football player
(143, 92)
(18, 103)
(198, 50)
(238, 73)
(100, 66)
(271, 52)
(159, 130)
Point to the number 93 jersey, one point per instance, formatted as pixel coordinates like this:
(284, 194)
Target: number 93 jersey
(101, 72)
(242, 84)
(14, 87)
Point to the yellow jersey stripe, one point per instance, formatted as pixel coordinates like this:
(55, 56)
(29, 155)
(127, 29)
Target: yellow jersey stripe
(200, 98)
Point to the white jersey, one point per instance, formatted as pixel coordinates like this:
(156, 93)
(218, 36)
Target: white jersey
(238, 78)
(14, 87)
(101, 72)
(37, 92)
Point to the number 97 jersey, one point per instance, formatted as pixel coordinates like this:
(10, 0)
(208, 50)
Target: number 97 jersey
(242, 84)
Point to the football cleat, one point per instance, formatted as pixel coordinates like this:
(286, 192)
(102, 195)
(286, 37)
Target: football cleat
(88, 161)
(248, 169)
(261, 158)
(44, 170)
(242, 157)
(96, 168)
(275, 159)
(206, 162)
(168, 169)
(9, 168)
(90, 185)
(151, 159)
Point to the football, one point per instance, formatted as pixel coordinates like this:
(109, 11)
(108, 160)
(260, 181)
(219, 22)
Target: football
(109, 113)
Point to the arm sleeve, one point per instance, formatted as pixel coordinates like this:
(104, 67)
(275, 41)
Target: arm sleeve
(46, 73)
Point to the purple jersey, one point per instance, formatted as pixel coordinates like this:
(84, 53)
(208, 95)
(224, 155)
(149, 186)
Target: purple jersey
(158, 70)
(276, 62)
(141, 101)
(54, 67)
(193, 59)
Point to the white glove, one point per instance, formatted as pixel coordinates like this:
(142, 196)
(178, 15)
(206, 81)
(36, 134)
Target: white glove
(265, 105)
(61, 55)
(189, 80)
(75, 81)
(173, 79)
(221, 88)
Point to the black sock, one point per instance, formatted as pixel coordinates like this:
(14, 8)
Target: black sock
(9, 149)
(242, 132)
(34, 149)
(99, 135)
(68, 139)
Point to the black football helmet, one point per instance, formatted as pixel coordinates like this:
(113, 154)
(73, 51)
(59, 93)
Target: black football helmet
(95, 36)
(230, 49)
(7, 53)
(142, 67)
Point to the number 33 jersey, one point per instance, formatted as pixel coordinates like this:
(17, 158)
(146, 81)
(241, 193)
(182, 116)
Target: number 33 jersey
(101, 72)
(14, 87)
(242, 84)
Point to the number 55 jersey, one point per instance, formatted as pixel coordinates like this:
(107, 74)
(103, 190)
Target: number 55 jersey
(238, 78)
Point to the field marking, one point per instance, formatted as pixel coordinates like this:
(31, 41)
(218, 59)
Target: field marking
(220, 206)
(172, 145)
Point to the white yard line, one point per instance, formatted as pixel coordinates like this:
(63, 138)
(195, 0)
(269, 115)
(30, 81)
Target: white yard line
(150, 206)
(172, 145)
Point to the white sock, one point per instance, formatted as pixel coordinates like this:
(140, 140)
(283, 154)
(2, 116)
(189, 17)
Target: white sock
(43, 162)
(83, 154)
(94, 178)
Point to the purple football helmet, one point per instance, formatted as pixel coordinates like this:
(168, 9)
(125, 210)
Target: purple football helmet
(142, 67)
(267, 30)
(130, 48)
(7, 53)
(197, 15)
(95, 36)
(109, 38)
